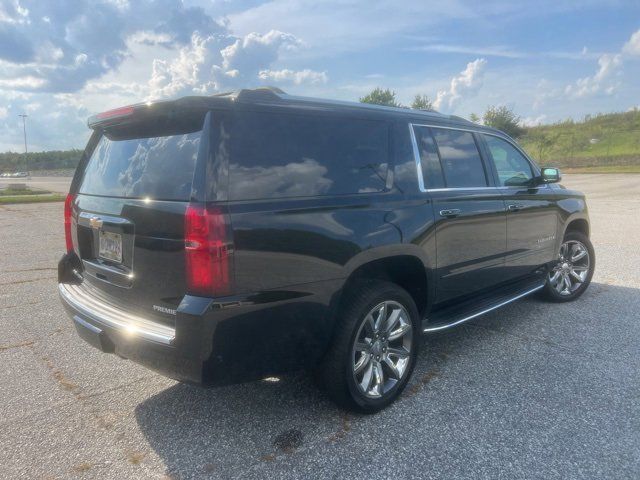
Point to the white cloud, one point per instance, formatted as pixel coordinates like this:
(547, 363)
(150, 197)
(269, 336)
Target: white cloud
(292, 76)
(66, 44)
(632, 47)
(490, 51)
(533, 121)
(22, 83)
(149, 37)
(215, 63)
(601, 81)
(466, 84)
(12, 12)
(609, 66)
(4, 112)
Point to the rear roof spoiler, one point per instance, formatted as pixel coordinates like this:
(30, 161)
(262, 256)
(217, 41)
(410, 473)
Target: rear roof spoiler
(126, 113)
(133, 113)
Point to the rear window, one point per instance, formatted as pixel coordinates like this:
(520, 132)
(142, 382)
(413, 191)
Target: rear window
(286, 155)
(159, 168)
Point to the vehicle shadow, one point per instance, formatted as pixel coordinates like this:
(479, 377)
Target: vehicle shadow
(229, 430)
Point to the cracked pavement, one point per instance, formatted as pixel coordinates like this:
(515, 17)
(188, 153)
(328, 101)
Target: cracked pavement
(534, 390)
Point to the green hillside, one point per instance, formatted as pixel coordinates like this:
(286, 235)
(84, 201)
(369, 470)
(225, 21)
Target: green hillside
(601, 140)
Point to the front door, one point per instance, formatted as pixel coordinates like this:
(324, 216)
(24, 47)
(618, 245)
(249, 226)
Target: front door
(532, 216)
(469, 213)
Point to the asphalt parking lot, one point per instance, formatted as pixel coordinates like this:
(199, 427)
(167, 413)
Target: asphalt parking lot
(534, 390)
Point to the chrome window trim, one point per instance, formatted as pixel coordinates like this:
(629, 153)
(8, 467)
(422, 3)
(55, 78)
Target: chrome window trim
(416, 156)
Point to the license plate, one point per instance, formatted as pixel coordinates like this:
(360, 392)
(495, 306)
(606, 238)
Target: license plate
(111, 246)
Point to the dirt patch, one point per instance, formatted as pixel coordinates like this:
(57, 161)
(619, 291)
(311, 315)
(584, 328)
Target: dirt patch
(421, 382)
(32, 270)
(135, 458)
(343, 429)
(18, 282)
(82, 467)
(16, 345)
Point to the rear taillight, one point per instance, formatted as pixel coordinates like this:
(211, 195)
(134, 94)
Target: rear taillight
(68, 207)
(207, 251)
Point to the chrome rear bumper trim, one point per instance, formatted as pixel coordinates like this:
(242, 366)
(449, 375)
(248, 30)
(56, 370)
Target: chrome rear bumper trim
(107, 315)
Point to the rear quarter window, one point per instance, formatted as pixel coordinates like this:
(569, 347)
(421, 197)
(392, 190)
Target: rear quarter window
(275, 155)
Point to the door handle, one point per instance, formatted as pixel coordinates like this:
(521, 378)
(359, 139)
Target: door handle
(515, 207)
(453, 212)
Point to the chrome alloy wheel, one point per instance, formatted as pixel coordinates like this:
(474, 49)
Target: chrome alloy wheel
(382, 349)
(572, 268)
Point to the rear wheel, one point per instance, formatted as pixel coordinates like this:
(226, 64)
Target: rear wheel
(374, 348)
(571, 275)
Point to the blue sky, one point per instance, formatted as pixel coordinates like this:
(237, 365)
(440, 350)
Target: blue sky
(549, 60)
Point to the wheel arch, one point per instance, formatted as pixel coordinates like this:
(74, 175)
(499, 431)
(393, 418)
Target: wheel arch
(405, 265)
(579, 224)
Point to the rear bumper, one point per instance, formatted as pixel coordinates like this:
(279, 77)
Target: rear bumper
(215, 341)
(149, 343)
(108, 317)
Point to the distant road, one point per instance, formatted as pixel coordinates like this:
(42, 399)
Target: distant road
(53, 184)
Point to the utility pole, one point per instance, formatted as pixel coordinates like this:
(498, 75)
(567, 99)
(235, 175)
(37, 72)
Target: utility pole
(24, 129)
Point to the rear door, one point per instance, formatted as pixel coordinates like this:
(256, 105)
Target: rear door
(131, 201)
(469, 212)
(532, 216)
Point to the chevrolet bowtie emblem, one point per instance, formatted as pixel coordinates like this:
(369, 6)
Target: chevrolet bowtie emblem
(95, 222)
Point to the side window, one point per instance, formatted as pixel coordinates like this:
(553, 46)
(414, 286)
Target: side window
(274, 155)
(461, 162)
(512, 167)
(429, 160)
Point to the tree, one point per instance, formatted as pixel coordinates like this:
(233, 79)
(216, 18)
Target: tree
(474, 118)
(378, 96)
(544, 141)
(422, 102)
(504, 119)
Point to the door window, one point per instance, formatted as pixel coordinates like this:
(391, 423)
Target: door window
(460, 159)
(513, 168)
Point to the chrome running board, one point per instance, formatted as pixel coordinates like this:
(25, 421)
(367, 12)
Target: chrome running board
(453, 320)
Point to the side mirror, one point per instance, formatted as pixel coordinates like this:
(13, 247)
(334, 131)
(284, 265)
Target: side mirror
(550, 175)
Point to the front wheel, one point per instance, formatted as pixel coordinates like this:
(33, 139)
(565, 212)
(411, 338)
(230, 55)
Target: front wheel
(572, 273)
(374, 348)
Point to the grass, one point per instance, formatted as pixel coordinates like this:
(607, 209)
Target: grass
(12, 192)
(604, 169)
(13, 199)
(597, 141)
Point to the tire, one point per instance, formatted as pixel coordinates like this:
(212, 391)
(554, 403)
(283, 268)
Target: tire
(565, 267)
(357, 357)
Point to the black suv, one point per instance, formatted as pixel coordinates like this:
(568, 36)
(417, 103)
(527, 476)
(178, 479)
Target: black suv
(234, 237)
